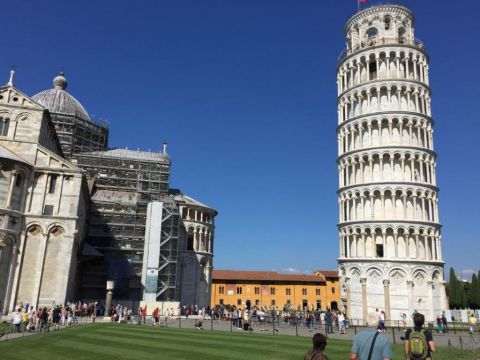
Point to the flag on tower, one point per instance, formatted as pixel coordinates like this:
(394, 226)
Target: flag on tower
(361, 1)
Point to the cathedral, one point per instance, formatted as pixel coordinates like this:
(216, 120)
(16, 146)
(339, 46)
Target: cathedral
(76, 214)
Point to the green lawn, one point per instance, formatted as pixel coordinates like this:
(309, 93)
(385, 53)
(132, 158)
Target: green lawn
(111, 341)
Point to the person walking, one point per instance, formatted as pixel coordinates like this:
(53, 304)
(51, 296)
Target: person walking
(329, 322)
(17, 319)
(156, 316)
(319, 345)
(404, 321)
(308, 319)
(419, 344)
(341, 323)
(473, 323)
(371, 344)
(444, 323)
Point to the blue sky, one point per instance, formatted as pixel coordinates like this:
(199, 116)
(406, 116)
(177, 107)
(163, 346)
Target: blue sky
(245, 94)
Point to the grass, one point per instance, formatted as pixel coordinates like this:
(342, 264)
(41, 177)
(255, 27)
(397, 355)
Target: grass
(112, 341)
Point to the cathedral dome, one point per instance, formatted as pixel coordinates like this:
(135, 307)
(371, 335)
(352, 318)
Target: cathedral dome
(58, 101)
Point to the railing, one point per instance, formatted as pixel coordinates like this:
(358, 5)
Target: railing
(9, 330)
(377, 41)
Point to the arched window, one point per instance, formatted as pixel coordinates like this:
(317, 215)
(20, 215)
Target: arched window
(19, 180)
(401, 35)
(387, 20)
(372, 33)
(4, 123)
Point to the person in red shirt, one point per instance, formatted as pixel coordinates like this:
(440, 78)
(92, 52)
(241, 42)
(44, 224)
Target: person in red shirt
(155, 316)
(144, 314)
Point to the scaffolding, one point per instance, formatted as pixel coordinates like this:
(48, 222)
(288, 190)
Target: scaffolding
(125, 181)
(79, 135)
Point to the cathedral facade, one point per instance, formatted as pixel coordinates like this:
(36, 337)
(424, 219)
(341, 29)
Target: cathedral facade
(43, 200)
(73, 212)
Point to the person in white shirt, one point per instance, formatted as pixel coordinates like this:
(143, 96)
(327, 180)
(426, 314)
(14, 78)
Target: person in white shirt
(17, 319)
(341, 323)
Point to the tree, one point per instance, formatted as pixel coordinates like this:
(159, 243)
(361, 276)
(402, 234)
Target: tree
(463, 296)
(477, 297)
(456, 292)
(473, 293)
(452, 289)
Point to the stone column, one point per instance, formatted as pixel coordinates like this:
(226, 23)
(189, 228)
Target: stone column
(363, 281)
(362, 199)
(386, 295)
(349, 304)
(430, 316)
(60, 193)
(39, 262)
(414, 202)
(364, 245)
(11, 278)
(13, 179)
(410, 296)
(109, 298)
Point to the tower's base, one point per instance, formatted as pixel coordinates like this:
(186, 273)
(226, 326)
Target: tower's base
(395, 287)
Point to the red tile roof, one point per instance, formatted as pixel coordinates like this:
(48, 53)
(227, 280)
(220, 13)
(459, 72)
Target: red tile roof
(263, 276)
(328, 273)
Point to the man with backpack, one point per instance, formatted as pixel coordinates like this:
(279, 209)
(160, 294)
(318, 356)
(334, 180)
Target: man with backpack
(419, 343)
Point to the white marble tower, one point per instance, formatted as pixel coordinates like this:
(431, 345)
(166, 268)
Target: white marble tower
(389, 230)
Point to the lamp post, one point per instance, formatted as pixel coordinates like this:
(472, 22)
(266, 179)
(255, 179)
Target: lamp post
(108, 301)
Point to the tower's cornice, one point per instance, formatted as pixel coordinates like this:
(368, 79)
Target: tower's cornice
(387, 184)
(380, 113)
(344, 56)
(377, 10)
(376, 149)
(393, 261)
(388, 223)
(383, 82)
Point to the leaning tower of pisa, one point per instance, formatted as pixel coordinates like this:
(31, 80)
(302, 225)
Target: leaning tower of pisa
(389, 230)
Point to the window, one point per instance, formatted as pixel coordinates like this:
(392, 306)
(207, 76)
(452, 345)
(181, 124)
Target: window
(380, 250)
(239, 302)
(189, 241)
(4, 123)
(317, 291)
(333, 290)
(305, 304)
(272, 291)
(48, 210)
(221, 301)
(19, 180)
(53, 184)
(257, 290)
(288, 291)
(372, 69)
(304, 291)
(273, 302)
(239, 290)
(221, 290)
(387, 21)
(372, 33)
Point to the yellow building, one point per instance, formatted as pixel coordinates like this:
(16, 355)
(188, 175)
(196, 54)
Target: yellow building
(270, 289)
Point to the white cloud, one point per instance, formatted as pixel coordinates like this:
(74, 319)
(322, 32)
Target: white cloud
(291, 270)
